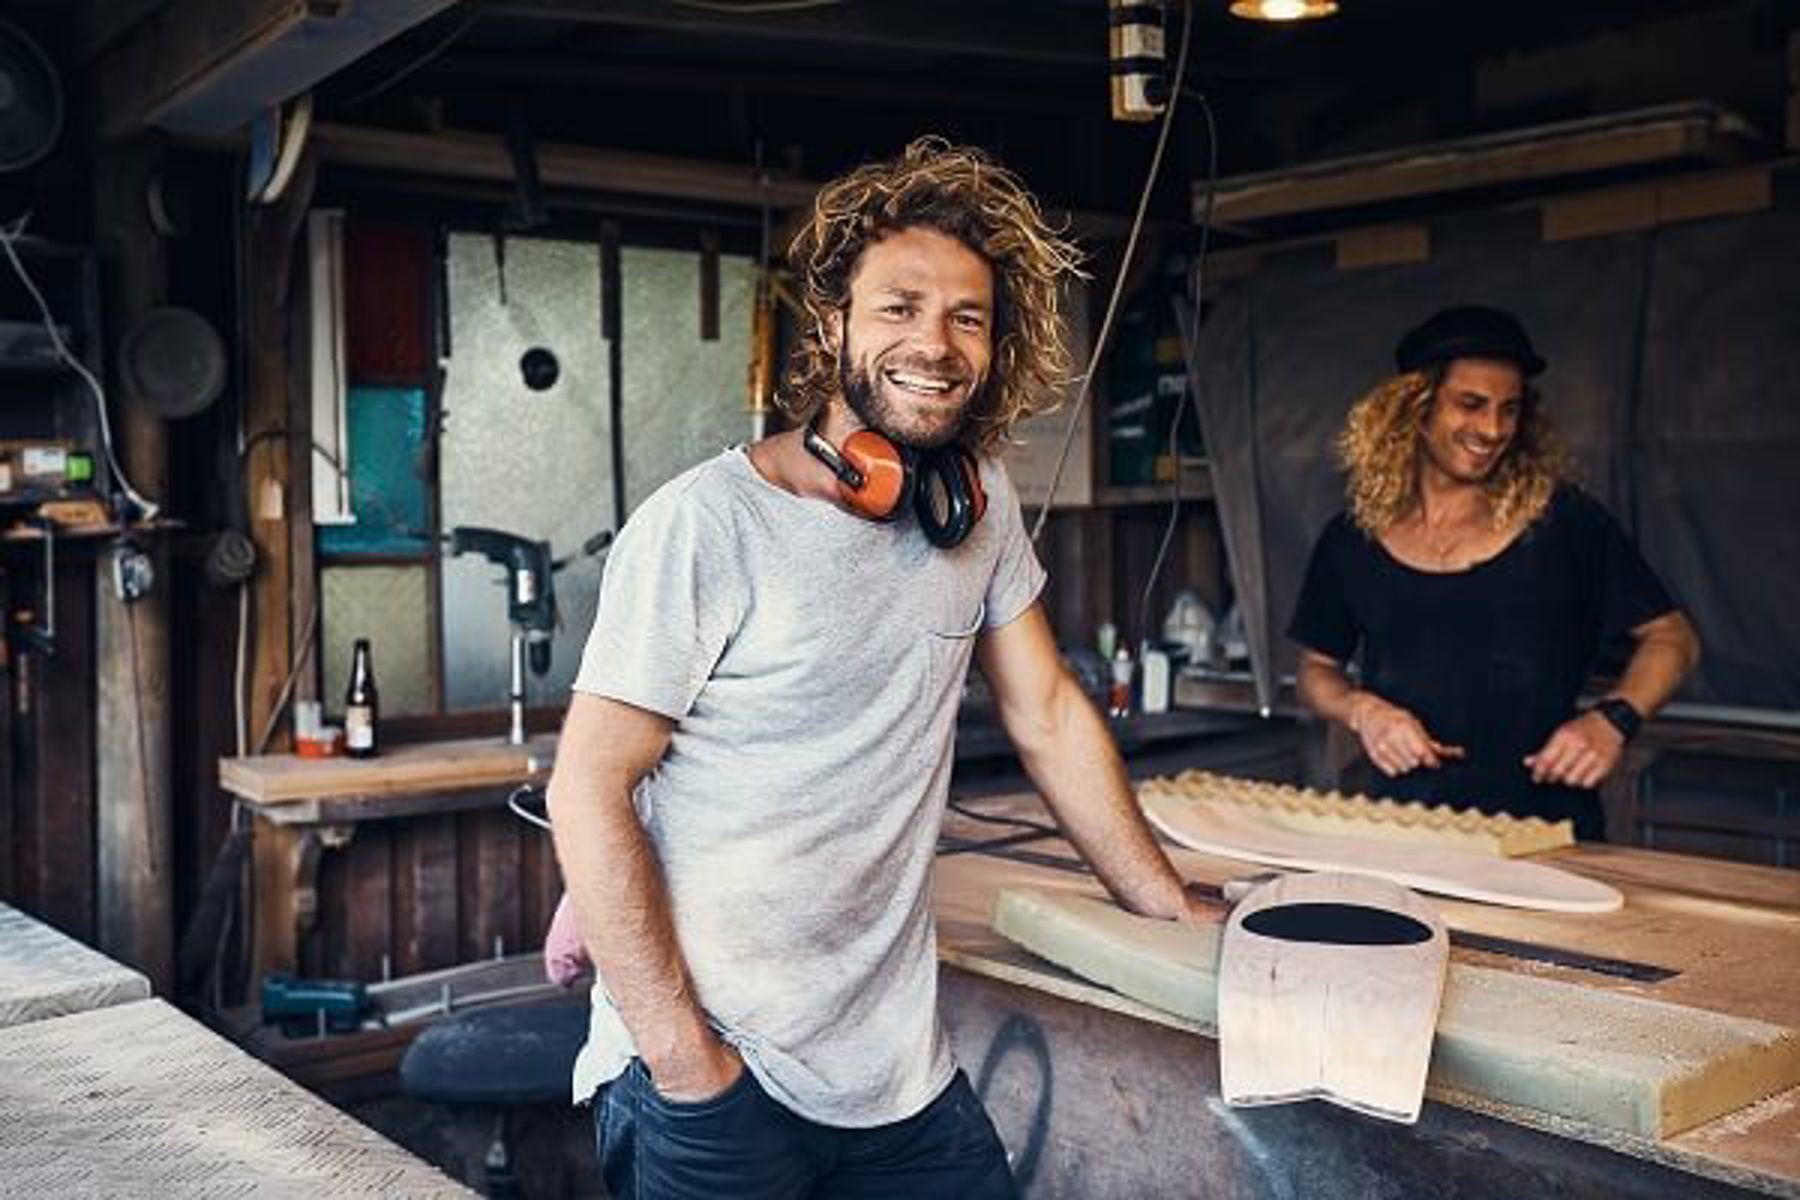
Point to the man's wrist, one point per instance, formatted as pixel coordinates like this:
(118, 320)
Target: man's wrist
(1621, 714)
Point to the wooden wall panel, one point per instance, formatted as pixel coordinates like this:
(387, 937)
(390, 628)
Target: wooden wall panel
(54, 817)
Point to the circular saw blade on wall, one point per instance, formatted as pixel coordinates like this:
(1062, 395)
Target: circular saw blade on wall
(31, 100)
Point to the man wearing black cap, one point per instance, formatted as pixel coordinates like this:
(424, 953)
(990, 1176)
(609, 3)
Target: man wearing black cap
(1478, 585)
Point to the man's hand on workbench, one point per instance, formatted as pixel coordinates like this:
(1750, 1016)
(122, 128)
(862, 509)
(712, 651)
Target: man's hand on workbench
(1582, 752)
(1204, 905)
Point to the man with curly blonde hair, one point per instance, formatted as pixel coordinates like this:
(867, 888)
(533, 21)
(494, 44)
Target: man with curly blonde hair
(1478, 586)
(756, 760)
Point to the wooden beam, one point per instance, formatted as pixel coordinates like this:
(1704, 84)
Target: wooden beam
(133, 781)
(1050, 33)
(482, 156)
(897, 88)
(207, 67)
(1667, 135)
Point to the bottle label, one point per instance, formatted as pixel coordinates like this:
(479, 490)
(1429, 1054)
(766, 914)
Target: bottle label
(359, 727)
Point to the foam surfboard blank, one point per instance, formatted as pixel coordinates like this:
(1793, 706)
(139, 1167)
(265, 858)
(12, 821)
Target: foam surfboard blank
(1603, 1058)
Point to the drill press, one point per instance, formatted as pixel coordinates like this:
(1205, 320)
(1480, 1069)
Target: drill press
(530, 604)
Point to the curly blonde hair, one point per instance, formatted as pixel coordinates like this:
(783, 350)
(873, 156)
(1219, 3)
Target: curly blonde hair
(1379, 448)
(962, 193)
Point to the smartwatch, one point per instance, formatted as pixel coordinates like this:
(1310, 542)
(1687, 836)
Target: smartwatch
(1620, 715)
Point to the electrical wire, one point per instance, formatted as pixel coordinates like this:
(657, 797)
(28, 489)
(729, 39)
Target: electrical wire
(147, 509)
(1118, 289)
(1189, 396)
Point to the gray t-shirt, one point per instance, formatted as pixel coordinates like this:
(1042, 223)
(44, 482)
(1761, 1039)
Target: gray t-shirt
(812, 662)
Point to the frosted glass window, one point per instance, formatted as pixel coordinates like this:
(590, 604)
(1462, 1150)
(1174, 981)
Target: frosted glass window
(539, 463)
(391, 606)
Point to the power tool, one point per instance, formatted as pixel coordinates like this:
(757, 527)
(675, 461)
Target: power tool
(530, 604)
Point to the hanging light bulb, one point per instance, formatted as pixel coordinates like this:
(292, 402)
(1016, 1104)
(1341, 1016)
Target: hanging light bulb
(1282, 10)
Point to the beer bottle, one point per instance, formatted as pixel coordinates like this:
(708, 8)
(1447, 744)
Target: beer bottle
(361, 706)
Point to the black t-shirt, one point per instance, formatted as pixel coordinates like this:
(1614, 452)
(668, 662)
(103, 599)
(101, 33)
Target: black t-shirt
(1491, 658)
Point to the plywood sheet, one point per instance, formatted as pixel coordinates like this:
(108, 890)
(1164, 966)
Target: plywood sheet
(140, 1100)
(1607, 1059)
(44, 973)
(1329, 987)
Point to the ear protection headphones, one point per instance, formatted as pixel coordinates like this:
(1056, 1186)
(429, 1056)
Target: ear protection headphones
(878, 478)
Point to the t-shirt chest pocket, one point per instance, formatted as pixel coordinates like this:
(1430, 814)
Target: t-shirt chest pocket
(949, 636)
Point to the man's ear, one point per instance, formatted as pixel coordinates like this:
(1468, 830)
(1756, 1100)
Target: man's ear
(832, 330)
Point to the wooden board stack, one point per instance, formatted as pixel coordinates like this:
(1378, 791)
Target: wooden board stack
(1334, 814)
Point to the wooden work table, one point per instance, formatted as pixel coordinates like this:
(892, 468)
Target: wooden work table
(1729, 932)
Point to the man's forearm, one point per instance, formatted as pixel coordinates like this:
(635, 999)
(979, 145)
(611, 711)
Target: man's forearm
(1327, 691)
(1076, 766)
(1667, 649)
(623, 905)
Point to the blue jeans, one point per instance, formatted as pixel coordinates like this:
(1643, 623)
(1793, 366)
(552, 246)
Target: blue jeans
(742, 1145)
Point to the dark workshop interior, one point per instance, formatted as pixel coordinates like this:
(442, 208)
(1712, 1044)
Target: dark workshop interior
(341, 341)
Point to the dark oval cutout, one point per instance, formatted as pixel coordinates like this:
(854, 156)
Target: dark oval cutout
(1337, 925)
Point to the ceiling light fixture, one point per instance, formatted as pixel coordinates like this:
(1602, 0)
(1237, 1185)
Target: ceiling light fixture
(1282, 10)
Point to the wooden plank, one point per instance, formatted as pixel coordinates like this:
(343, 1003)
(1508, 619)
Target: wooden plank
(46, 974)
(425, 766)
(275, 942)
(1645, 206)
(63, 735)
(369, 932)
(491, 860)
(1661, 135)
(208, 67)
(426, 908)
(1382, 246)
(270, 251)
(463, 155)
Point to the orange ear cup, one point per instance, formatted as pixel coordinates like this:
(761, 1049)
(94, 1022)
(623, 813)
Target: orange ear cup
(885, 480)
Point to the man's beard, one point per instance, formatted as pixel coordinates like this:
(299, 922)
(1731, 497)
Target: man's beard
(877, 410)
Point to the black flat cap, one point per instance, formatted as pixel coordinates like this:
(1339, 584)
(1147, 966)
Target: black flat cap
(1468, 331)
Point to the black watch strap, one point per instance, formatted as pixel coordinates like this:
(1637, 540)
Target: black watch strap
(1624, 718)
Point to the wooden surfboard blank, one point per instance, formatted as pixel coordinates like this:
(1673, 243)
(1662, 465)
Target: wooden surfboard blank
(1604, 1058)
(1329, 986)
(1471, 876)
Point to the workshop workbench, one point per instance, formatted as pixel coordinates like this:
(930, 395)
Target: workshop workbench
(1100, 1095)
(138, 1099)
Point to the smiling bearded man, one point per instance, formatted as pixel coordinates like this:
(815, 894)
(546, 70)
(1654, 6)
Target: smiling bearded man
(756, 761)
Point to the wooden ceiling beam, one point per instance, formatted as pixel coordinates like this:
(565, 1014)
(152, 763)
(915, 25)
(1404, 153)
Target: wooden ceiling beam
(482, 156)
(205, 68)
(1037, 32)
